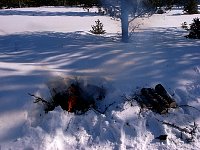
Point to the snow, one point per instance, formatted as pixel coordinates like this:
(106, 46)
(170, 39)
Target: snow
(46, 45)
(51, 20)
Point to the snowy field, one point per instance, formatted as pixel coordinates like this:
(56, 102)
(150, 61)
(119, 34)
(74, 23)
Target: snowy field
(45, 45)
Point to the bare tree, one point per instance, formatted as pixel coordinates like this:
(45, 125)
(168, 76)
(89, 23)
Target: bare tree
(127, 11)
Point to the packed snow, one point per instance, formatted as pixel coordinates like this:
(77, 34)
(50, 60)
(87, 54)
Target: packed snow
(45, 46)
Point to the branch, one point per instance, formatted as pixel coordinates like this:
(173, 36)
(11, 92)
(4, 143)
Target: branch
(38, 99)
(133, 29)
(176, 127)
(104, 110)
(191, 131)
(190, 107)
(108, 107)
(140, 14)
(68, 124)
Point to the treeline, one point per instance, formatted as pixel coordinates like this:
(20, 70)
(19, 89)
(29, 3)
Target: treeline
(170, 3)
(89, 3)
(37, 3)
(189, 6)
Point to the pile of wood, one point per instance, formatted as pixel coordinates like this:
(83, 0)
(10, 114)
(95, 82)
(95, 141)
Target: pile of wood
(156, 99)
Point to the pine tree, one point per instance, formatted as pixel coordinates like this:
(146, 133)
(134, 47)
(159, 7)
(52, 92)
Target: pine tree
(194, 30)
(98, 28)
(191, 7)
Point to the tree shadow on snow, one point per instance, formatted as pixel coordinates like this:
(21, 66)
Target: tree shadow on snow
(45, 13)
(164, 56)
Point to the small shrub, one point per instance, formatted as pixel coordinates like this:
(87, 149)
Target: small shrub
(194, 29)
(98, 28)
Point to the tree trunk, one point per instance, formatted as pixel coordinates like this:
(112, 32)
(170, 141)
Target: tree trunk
(124, 20)
(20, 4)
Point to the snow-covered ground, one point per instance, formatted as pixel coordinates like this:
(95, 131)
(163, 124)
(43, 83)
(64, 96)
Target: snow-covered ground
(44, 45)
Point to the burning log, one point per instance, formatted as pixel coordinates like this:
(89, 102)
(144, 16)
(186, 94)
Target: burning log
(74, 99)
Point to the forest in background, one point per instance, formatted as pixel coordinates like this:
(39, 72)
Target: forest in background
(37, 3)
(87, 3)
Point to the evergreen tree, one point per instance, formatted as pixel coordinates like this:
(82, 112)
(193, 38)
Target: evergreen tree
(194, 30)
(98, 28)
(191, 7)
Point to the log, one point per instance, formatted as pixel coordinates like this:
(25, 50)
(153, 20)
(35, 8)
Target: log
(161, 91)
(156, 104)
(159, 98)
